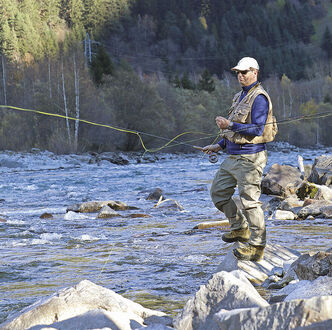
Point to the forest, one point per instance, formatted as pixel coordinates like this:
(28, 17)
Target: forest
(157, 67)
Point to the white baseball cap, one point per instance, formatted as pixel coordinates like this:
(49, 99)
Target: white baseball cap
(246, 63)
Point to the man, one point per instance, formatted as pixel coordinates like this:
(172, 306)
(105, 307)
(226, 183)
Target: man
(250, 125)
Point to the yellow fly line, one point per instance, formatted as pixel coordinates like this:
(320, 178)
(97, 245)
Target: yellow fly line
(104, 125)
(167, 144)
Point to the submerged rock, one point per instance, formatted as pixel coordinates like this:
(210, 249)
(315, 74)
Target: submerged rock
(84, 306)
(96, 206)
(155, 194)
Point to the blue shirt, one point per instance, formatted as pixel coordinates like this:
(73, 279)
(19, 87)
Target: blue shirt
(259, 113)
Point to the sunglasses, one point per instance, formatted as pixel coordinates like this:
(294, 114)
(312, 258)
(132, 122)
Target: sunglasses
(243, 72)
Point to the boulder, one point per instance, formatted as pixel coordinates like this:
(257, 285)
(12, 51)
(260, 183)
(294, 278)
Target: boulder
(281, 180)
(314, 191)
(310, 266)
(321, 172)
(321, 286)
(96, 206)
(224, 290)
(257, 272)
(82, 304)
(280, 295)
(107, 212)
(283, 315)
(316, 208)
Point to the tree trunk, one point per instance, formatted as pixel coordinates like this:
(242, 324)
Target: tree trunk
(65, 104)
(49, 78)
(77, 103)
(4, 79)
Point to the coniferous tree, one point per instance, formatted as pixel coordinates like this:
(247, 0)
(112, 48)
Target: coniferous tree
(101, 65)
(326, 43)
(206, 82)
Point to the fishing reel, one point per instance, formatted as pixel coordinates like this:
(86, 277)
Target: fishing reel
(213, 156)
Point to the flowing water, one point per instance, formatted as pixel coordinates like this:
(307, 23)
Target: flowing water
(158, 261)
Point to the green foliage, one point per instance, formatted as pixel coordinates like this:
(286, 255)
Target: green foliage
(326, 43)
(206, 82)
(186, 83)
(101, 65)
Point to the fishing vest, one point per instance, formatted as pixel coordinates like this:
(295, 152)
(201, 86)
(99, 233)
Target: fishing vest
(240, 112)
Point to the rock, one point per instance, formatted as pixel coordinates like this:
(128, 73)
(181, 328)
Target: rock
(284, 215)
(315, 209)
(138, 215)
(213, 224)
(281, 294)
(223, 290)
(168, 203)
(74, 216)
(114, 158)
(321, 172)
(82, 304)
(273, 204)
(46, 216)
(290, 203)
(309, 267)
(96, 206)
(314, 191)
(155, 194)
(326, 212)
(257, 272)
(3, 220)
(281, 180)
(321, 286)
(107, 212)
(158, 320)
(325, 325)
(283, 315)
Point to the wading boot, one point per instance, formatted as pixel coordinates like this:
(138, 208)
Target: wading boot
(239, 235)
(249, 252)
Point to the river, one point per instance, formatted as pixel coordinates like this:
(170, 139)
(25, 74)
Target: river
(158, 261)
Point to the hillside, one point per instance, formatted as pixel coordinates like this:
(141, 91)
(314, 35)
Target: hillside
(166, 62)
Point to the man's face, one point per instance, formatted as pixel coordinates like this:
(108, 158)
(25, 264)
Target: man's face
(247, 77)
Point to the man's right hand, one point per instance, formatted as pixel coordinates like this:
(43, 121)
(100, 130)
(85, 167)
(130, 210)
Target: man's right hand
(211, 148)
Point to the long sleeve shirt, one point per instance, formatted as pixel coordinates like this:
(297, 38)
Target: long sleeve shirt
(259, 113)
